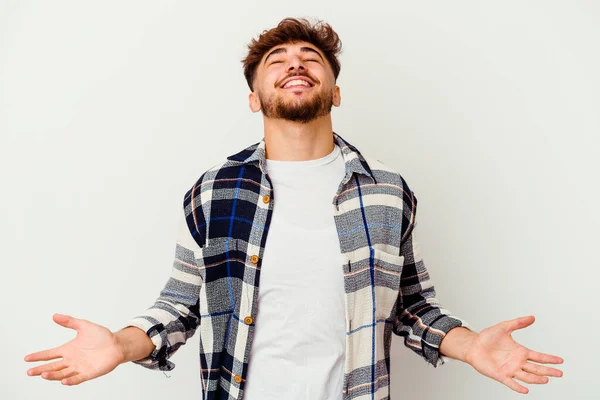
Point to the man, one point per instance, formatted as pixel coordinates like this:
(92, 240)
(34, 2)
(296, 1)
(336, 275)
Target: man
(342, 270)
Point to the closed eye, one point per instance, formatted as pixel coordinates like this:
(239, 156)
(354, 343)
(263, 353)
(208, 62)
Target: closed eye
(278, 61)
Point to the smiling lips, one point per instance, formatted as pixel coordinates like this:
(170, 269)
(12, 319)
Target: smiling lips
(297, 84)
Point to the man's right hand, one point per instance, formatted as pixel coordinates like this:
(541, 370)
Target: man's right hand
(94, 352)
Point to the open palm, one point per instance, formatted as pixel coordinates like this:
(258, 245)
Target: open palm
(495, 354)
(92, 353)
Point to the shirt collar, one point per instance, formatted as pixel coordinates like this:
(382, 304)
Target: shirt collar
(353, 159)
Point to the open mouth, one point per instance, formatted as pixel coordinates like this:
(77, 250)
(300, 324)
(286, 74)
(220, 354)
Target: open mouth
(297, 84)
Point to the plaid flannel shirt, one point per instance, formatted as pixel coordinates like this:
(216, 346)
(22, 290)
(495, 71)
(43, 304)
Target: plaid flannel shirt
(215, 276)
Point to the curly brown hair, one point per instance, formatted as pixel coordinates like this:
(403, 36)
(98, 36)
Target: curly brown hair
(292, 30)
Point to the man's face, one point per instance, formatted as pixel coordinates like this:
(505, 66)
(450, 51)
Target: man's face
(294, 81)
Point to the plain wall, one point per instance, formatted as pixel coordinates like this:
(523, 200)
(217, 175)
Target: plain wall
(109, 112)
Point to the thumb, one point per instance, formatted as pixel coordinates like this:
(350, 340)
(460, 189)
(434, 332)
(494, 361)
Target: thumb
(520, 323)
(67, 321)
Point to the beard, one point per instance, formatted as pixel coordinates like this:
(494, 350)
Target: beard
(297, 110)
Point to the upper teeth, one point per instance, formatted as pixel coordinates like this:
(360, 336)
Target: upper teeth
(296, 82)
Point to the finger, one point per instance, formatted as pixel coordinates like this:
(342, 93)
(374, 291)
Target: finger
(67, 321)
(74, 380)
(520, 323)
(55, 366)
(541, 370)
(515, 386)
(44, 355)
(544, 358)
(530, 378)
(59, 375)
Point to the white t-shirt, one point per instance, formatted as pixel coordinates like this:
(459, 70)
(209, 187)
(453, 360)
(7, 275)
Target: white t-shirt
(298, 350)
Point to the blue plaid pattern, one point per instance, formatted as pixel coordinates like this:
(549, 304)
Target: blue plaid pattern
(215, 277)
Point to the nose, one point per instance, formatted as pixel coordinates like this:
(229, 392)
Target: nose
(295, 63)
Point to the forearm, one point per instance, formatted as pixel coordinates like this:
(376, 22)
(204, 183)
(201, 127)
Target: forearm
(134, 343)
(456, 342)
(420, 317)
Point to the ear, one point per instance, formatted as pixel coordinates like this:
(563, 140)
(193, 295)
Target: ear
(337, 97)
(253, 102)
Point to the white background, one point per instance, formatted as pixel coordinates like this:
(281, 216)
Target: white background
(109, 112)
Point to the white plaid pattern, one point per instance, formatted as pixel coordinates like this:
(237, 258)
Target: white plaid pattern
(215, 276)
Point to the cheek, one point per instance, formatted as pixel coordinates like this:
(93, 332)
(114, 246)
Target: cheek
(272, 76)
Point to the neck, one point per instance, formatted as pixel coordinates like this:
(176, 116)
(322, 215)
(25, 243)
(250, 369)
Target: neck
(294, 141)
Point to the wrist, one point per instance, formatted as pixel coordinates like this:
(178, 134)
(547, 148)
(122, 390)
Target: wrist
(120, 345)
(457, 342)
(467, 347)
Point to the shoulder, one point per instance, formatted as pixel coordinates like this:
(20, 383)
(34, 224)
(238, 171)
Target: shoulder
(228, 167)
(390, 177)
(210, 174)
(200, 196)
(386, 175)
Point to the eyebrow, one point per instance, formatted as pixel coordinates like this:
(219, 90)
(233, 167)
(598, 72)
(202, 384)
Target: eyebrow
(284, 50)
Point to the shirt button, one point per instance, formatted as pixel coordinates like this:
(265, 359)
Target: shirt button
(266, 198)
(254, 258)
(248, 320)
(237, 378)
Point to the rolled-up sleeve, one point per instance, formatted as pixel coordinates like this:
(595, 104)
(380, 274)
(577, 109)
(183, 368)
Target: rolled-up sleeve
(174, 316)
(420, 317)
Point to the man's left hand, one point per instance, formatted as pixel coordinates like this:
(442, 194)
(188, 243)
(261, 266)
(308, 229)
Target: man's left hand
(495, 354)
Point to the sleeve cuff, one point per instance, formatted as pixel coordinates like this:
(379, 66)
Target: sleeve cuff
(432, 338)
(157, 360)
